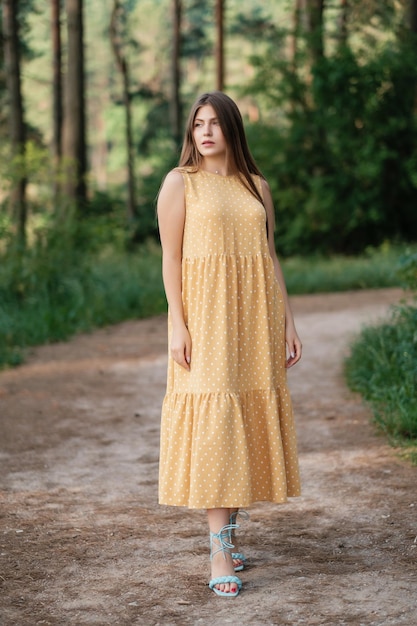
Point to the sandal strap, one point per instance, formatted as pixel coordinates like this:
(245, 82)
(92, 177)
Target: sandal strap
(225, 579)
(243, 514)
(224, 538)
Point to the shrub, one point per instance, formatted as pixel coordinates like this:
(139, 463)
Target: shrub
(340, 150)
(382, 365)
(58, 287)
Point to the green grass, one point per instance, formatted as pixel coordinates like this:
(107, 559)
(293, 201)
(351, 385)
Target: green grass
(373, 270)
(54, 290)
(382, 367)
(55, 300)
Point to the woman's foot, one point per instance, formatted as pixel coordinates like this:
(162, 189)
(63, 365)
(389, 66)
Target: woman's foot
(224, 581)
(222, 566)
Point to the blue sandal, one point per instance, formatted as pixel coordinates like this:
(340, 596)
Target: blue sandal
(237, 556)
(224, 546)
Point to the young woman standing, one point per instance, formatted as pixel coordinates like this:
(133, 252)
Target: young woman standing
(227, 432)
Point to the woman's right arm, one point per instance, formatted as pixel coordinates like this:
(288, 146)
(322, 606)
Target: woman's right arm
(171, 219)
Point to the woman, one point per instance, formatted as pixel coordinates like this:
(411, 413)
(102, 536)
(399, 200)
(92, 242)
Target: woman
(227, 431)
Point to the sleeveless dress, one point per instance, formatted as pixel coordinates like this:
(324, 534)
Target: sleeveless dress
(227, 430)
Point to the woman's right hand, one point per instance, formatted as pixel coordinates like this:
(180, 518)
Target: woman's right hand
(181, 347)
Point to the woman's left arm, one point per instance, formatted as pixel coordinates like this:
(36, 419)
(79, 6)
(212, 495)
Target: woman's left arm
(291, 337)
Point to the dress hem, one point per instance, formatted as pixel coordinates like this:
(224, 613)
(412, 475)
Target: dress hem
(233, 506)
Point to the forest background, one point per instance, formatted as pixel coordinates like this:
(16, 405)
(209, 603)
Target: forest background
(93, 96)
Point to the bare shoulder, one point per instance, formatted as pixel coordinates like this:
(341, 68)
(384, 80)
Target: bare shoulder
(172, 188)
(266, 190)
(174, 180)
(171, 198)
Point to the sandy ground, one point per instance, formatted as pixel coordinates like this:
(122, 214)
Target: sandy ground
(83, 540)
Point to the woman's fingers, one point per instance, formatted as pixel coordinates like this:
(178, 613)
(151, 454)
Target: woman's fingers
(181, 351)
(181, 358)
(295, 349)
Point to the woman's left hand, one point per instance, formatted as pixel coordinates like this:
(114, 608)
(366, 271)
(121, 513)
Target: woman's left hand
(294, 347)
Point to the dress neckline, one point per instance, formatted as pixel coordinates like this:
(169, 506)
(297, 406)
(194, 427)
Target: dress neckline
(217, 175)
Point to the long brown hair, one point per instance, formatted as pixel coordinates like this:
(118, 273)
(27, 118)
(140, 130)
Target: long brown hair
(238, 157)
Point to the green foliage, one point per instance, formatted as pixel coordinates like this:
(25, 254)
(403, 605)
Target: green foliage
(59, 286)
(376, 268)
(161, 159)
(196, 40)
(337, 142)
(77, 275)
(253, 24)
(383, 367)
(408, 271)
(34, 163)
(342, 159)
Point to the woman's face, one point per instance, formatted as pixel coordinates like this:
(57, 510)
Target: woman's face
(208, 135)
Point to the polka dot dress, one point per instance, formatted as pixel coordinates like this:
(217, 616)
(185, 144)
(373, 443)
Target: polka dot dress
(227, 430)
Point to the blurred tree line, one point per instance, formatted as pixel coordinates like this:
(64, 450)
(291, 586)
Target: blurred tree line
(342, 157)
(93, 97)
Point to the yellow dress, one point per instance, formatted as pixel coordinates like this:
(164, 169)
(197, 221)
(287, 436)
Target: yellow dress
(227, 430)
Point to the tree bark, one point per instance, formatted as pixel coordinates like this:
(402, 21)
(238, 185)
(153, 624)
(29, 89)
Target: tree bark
(176, 105)
(413, 16)
(314, 10)
(57, 108)
(343, 22)
(16, 115)
(220, 44)
(124, 71)
(295, 33)
(74, 129)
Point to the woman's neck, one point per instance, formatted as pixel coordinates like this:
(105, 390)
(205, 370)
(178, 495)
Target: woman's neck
(215, 166)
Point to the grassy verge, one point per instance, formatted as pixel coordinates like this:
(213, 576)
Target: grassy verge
(54, 290)
(382, 367)
(56, 300)
(373, 270)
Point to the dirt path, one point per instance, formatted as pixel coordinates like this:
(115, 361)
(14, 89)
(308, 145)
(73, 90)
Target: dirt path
(83, 540)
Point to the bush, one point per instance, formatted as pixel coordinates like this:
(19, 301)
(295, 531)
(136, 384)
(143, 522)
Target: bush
(383, 366)
(58, 287)
(340, 153)
(376, 268)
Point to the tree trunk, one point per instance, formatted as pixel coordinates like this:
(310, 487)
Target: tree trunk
(413, 16)
(314, 25)
(74, 139)
(220, 44)
(124, 70)
(176, 107)
(343, 22)
(16, 116)
(295, 33)
(56, 89)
